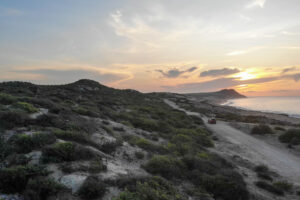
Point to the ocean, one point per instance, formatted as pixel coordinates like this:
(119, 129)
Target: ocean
(282, 105)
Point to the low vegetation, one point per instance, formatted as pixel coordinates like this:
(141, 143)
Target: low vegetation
(75, 136)
(283, 185)
(92, 188)
(27, 107)
(139, 155)
(263, 172)
(66, 151)
(292, 137)
(269, 187)
(12, 119)
(262, 129)
(203, 172)
(111, 147)
(7, 99)
(145, 144)
(42, 187)
(174, 145)
(279, 128)
(153, 188)
(25, 143)
(15, 179)
(166, 166)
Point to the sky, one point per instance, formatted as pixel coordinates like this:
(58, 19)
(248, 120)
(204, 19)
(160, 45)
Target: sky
(182, 46)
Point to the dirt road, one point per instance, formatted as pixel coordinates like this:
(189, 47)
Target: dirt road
(257, 151)
(253, 149)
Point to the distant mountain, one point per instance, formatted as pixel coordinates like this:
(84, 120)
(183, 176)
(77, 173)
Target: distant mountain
(222, 94)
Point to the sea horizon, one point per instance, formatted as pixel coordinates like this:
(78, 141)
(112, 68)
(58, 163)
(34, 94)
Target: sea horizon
(288, 105)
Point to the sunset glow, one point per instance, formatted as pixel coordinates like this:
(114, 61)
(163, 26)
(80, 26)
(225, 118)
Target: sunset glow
(194, 46)
(245, 76)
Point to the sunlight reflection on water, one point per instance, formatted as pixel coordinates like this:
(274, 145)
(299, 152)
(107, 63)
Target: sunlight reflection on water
(285, 105)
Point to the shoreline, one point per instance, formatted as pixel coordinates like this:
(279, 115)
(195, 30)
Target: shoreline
(230, 103)
(214, 106)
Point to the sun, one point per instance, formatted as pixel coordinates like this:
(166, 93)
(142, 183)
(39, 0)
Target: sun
(245, 76)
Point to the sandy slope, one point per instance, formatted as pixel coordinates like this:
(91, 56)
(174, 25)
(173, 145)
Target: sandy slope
(253, 149)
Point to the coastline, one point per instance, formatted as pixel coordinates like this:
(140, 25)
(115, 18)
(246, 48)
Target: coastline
(230, 103)
(216, 106)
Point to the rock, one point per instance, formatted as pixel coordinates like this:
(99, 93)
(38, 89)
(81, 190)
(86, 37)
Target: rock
(73, 181)
(10, 197)
(63, 196)
(42, 111)
(101, 139)
(112, 192)
(35, 157)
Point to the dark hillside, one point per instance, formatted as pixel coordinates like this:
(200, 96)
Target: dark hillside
(222, 94)
(97, 138)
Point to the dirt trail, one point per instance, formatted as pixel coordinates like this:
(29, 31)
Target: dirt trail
(253, 149)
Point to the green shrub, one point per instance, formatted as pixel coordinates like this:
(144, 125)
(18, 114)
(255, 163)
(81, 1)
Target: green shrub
(92, 188)
(225, 187)
(166, 166)
(23, 143)
(72, 136)
(292, 136)
(139, 155)
(7, 99)
(62, 151)
(97, 166)
(278, 128)
(262, 129)
(41, 139)
(17, 159)
(270, 188)
(180, 149)
(14, 179)
(198, 136)
(283, 185)
(145, 123)
(41, 188)
(5, 148)
(215, 175)
(26, 143)
(118, 128)
(26, 107)
(110, 147)
(13, 119)
(198, 193)
(66, 151)
(149, 146)
(202, 155)
(145, 144)
(85, 111)
(261, 168)
(154, 189)
(263, 172)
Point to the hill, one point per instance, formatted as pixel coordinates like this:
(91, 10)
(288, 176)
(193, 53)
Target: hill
(222, 94)
(87, 141)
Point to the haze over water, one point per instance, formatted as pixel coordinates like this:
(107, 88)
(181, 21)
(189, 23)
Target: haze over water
(285, 105)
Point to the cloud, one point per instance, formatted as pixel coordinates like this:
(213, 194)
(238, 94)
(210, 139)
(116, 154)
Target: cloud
(252, 49)
(10, 12)
(174, 73)
(255, 3)
(236, 53)
(288, 70)
(71, 75)
(287, 33)
(220, 72)
(295, 77)
(222, 83)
